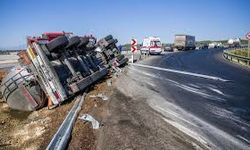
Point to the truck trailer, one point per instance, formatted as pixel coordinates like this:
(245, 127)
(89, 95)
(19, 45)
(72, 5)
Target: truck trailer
(234, 43)
(184, 42)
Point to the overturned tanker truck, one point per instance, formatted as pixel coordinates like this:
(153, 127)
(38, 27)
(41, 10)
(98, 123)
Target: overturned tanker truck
(56, 67)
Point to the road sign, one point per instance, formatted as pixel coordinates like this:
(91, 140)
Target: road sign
(133, 45)
(248, 36)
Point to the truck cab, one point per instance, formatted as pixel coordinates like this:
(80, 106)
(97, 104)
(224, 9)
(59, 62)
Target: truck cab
(151, 45)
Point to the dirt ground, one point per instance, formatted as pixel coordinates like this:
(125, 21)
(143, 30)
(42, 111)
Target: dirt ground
(83, 136)
(126, 123)
(2, 74)
(34, 130)
(29, 130)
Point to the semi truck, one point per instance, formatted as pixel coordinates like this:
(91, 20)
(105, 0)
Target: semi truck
(57, 66)
(232, 43)
(184, 42)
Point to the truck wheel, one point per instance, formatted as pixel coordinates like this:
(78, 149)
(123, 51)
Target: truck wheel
(83, 43)
(73, 42)
(112, 41)
(109, 37)
(58, 43)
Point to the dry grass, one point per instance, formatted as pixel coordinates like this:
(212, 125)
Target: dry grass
(2, 74)
(240, 52)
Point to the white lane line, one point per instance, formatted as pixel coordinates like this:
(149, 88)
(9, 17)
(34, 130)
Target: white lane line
(170, 112)
(189, 132)
(216, 91)
(180, 72)
(182, 86)
(194, 85)
(244, 139)
(200, 92)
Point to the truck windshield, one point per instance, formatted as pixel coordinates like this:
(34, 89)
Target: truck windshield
(156, 43)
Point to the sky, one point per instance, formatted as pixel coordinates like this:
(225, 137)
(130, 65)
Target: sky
(124, 19)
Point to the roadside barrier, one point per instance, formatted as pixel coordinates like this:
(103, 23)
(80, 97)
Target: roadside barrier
(236, 58)
(62, 136)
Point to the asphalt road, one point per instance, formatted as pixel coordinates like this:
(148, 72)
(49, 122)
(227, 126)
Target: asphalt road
(207, 87)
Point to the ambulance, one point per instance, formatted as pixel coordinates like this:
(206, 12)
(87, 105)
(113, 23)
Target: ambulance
(151, 45)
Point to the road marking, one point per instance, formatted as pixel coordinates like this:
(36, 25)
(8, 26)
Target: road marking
(174, 114)
(194, 90)
(181, 72)
(244, 139)
(199, 92)
(189, 132)
(216, 91)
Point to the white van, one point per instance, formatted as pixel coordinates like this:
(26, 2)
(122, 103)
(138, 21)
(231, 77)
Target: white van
(151, 45)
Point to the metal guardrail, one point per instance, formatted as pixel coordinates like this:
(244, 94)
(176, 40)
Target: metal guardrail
(62, 136)
(236, 58)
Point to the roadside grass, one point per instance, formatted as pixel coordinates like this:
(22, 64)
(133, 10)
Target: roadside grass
(240, 52)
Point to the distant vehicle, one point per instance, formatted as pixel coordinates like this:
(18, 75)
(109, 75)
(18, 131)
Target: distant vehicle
(234, 43)
(220, 45)
(151, 45)
(212, 45)
(215, 45)
(184, 42)
(204, 46)
(169, 48)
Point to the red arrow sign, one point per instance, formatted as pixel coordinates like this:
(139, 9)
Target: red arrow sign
(133, 45)
(248, 36)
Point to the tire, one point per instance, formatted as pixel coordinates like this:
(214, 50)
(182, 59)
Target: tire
(84, 41)
(180, 48)
(73, 42)
(115, 41)
(112, 41)
(109, 37)
(120, 57)
(57, 44)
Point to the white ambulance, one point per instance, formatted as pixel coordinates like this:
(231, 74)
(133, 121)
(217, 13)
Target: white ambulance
(151, 45)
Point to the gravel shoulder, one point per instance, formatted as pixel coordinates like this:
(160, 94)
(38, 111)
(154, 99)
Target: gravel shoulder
(131, 123)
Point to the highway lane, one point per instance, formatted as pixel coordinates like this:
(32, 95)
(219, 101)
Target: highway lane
(223, 104)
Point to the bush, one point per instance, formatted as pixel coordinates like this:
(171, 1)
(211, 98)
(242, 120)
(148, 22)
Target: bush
(240, 52)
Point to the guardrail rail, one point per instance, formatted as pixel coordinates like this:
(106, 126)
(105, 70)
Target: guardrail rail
(236, 58)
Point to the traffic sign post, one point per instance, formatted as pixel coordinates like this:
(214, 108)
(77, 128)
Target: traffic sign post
(133, 48)
(248, 51)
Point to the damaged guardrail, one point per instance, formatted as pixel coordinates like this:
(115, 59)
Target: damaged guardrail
(61, 65)
(62, 136)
